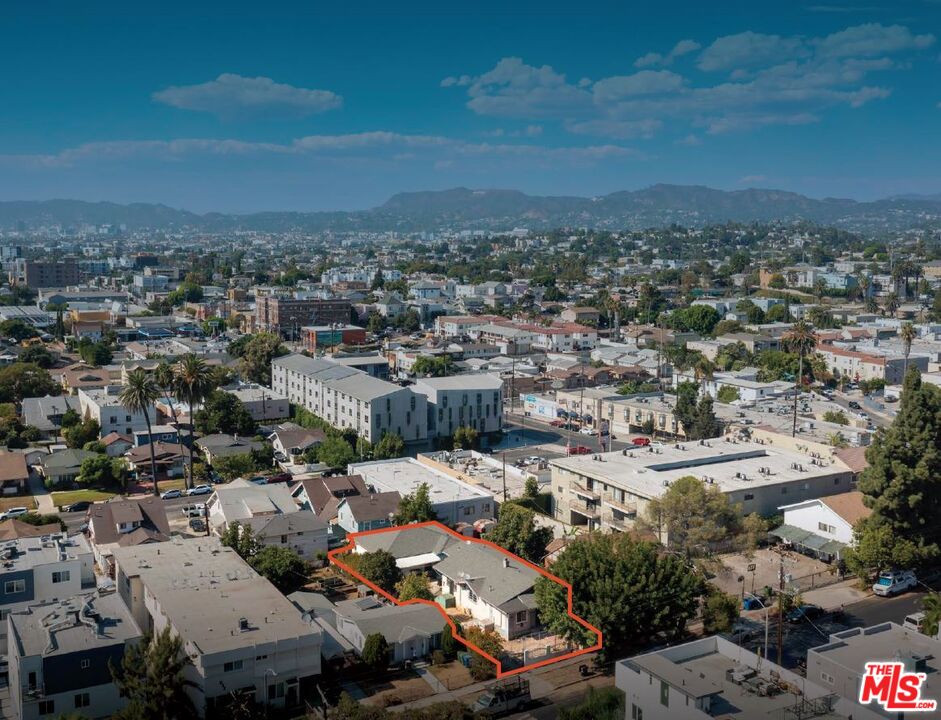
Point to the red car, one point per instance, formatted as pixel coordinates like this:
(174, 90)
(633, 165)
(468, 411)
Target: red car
(279, 478)
(641, 441)
(579, 450)
(556, 423)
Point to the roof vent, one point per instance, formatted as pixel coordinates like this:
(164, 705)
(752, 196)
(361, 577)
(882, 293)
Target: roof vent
(243, 624)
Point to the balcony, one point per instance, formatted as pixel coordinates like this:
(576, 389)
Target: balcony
(585, 493)
(618, 523)
(626, 508)
(581, 508)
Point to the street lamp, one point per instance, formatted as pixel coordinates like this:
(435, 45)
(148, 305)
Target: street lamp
(766, 609)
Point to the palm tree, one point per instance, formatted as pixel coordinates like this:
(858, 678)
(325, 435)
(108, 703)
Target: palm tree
(192, 384)
(800, 339)
(704, 370)
(891, 303)
(907, 333)
(139, 395)
(931, 606)
(165, 379)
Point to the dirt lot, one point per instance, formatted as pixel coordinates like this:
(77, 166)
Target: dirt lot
(453, 675)
(398, 687)
(767, 563)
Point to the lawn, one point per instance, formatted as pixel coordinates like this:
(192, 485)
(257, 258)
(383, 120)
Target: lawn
(67, 497)
(453, 675)
(19, 501)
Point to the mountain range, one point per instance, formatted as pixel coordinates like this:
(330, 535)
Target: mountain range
(463, 208)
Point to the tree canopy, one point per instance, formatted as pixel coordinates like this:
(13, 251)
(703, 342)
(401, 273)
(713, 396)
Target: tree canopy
(222, 412)
(378, 567)
(416, 507)
(516, 531)
(25, 380)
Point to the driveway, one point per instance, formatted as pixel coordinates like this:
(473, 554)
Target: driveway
(37, 489)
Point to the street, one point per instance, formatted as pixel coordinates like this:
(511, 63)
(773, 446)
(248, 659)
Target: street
(74, 520)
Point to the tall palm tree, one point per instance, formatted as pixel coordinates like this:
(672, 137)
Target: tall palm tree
(704, 370)
(192, 384)
(799, 339)
(165, 379)
(931, 606)
(907, 333)
(891, 303)
(139, 395)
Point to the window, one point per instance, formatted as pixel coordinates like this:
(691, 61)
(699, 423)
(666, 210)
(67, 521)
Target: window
(61, 576)
(521, 617)
(636, 712)
(14, 586)
(85, 664)
(469, 509)
(284, 539)
(232, 666)
(664, 694)
(749, 496)
(486, 507)
(827, 678)
(82, 700)
(47, 707)
(472, 595)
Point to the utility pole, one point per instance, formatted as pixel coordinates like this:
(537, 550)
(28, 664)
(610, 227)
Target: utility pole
(504, 476)
(781, 608)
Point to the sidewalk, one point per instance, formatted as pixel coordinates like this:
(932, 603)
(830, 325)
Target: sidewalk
(837, 595)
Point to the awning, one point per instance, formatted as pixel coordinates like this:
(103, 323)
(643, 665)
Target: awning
(790, 534)
(814, 542)
(832, 547)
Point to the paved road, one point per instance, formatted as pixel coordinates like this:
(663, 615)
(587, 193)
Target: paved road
(75, 520)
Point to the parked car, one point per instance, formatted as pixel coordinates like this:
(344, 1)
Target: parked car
(258, 480)
(804, 612)
(894, 582)
(13, 512)
(533, 460)
(557, 423)
(588, 430)
(197, 510)
(579, 450)
(77, 506)
(853, 405)
(503, 698)
(200, 490)
(171, 494)
(197, 524)
(279, 478)
(641, 441)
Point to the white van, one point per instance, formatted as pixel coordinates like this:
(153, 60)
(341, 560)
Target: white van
(916, 623)
(892, 583)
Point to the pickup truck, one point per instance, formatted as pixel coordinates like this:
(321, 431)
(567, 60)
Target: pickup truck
(503, 698)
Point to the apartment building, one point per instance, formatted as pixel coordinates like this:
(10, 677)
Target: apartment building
(287, 315)
(857, 365)
(262, 403)
(60, 653)
(610, 490)
(349, 398)
(562, 337)
(462, 401)
(712, 677)
(45, 273)
(456, 325)
(105, 406)
(241, 635)
(40, 569)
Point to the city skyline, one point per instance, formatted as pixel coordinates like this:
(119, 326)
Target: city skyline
(303, 109)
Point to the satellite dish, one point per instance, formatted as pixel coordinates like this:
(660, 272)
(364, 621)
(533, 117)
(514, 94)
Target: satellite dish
(557, 385)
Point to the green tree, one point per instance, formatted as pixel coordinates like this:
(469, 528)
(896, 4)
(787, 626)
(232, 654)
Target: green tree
(449, 644)
(719, 612)
(480, 667)
(257, 354)
(685, 408)
(465, 438)
(876, 547)
(376, 652)
(38, 355)
(281, 566)
(378, 567)
(902, 484)
(605, 703)
(430, 366)
(335, 452)
(516, 531)
(139, 395)
(416, 507)
(628, 588)
(802, 340)
(700, 319)
(531, 488)
(191, 380)
(836, 416)
(240, 538)
(152, 679)
(79, 435)
(101, 471)
(34, 518)
(728, 394)
(931, 606)
(692, 516)
(234, 466)
(705, 425)
(413, 586)
(94, 353)
(907, 334)
(222, 412)
(390, 445)
(25, 380)
(17, 330)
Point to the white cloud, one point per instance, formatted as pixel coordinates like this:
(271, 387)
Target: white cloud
(452, 81)
(231, 94)
(767, 79)
(690, 140)
(683, 47)
(369, 145)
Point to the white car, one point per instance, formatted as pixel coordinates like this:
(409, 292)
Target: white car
(171, 494)
(14, 512)
(191, 511)
(588, 431)
(200, 490)
(894, 582)
(533, 460)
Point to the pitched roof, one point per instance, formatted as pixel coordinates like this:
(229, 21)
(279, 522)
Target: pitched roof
(103, 519)
(854, 458)
(377, 506)
(494, 576)
(113, 437)
(848, 505)
(14, 529)
(66, 458)
(325, 493)
(13, 466)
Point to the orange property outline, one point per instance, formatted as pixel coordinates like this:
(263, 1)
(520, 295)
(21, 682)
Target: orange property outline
(501, 673)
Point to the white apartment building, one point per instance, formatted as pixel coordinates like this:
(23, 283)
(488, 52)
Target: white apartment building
(462, 401)
(349, 398)
(105, 406)
(239, 632)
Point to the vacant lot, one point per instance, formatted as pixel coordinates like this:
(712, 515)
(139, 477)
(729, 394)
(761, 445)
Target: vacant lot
(453, 675)
(395, 688)
(767, 564)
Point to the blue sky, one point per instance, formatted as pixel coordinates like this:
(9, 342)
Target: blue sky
(309, 106)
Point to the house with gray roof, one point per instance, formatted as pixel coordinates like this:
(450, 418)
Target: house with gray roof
(63, 466)
(45, 413)
(222, 445)
(412, 631)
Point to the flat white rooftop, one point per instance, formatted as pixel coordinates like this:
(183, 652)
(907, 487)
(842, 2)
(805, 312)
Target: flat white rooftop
(406, 475)
(732, 465)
